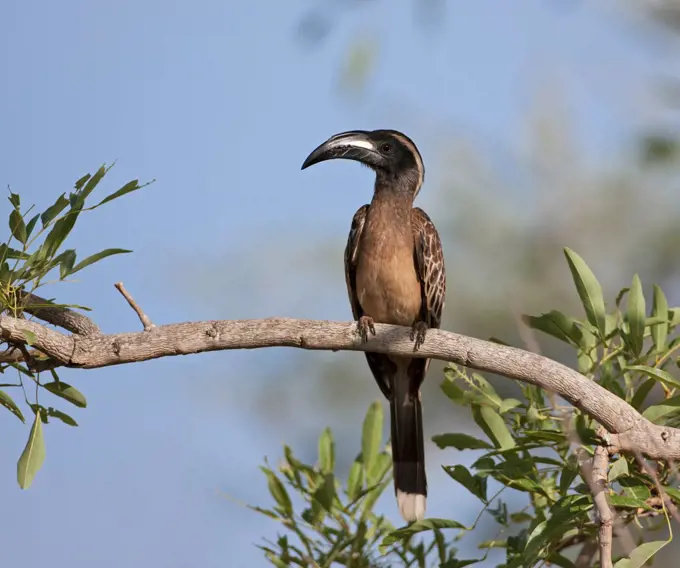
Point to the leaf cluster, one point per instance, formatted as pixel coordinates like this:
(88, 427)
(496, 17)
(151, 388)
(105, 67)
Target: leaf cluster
(535, 445)
(36, 255)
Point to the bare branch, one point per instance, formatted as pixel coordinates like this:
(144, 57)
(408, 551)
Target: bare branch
(62, 317)
(604, 512)
(628, 430)
(146, 322)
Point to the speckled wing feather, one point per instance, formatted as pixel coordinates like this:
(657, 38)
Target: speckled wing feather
(380, 365)
(351, 259)
(430, 267)
(429, 258)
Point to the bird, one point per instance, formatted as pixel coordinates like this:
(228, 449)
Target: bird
(395, 274)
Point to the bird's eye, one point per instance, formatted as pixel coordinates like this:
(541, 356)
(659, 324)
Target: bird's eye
(386, 147)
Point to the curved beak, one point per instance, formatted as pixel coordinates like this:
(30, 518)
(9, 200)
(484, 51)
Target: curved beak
(354, 145)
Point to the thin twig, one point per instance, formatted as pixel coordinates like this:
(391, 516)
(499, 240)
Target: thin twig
(146, 322)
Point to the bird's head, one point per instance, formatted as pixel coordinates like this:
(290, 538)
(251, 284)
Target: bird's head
(392, 155)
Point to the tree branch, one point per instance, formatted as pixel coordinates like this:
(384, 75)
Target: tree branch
(62, 317)
(604, 512)
(628, 430)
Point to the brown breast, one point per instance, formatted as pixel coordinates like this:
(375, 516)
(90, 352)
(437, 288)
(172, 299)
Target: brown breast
(388, 288)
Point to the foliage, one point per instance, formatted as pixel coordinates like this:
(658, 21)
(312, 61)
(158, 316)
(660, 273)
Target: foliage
(534, 444)
(34, 253)
(337, 523)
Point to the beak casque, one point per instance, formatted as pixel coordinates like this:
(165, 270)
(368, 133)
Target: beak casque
(354, 145)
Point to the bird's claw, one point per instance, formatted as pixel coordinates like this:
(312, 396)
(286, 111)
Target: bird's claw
(364, 325)
(418, 332)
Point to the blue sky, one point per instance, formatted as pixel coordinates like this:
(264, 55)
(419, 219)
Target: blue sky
(220, 104)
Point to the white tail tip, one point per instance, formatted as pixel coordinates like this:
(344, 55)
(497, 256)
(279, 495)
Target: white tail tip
(411, 506)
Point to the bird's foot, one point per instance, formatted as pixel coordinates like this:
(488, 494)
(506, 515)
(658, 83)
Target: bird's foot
(418, 332)
(364, 325)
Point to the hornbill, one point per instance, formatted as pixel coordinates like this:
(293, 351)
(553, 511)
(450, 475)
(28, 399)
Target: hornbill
(394, 269)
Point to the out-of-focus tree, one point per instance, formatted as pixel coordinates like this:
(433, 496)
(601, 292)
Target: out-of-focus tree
(502, 224)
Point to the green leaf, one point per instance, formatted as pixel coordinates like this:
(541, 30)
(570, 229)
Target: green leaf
(371, 438)
(557, 436)
(127, 188)
(10, 253)
(460, 442)
(9, 404)
(484, 388)
(53, 210)
(33, 456)
(672, 493)
(81, 182)
(454, 392)
(31, 225)
(636, 315)
(660, 309)
(557, 325)
(567, 513)
(641, 393)
(508, 404)
(493, 426)
(92, 182)
(618, 469)
(15, 200)
(325, 494)
(67, 392)
(639, 557)
(589, 290)
(97, 257)
(355, 480)
(657, 374)
(420, 526)
(635, 487)
(475, 484)
(65, 418)
(620, 295)
(523, 484)
(567, 476)
(674, 316)
(381, 467)
(278, 492)
(520, 517)
(68, 258)
(60, 230)
(326, 451)
(627, 502)
(17, 226)
(657, 411)
(31, 339)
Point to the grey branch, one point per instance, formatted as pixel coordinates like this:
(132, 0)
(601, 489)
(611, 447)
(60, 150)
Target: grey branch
(604, 512)
(628, 430)
(62, 317)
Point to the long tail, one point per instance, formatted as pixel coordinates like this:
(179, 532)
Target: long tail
(408, 448)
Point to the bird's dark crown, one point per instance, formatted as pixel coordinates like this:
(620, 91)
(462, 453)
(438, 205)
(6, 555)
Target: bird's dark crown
(390, 153)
